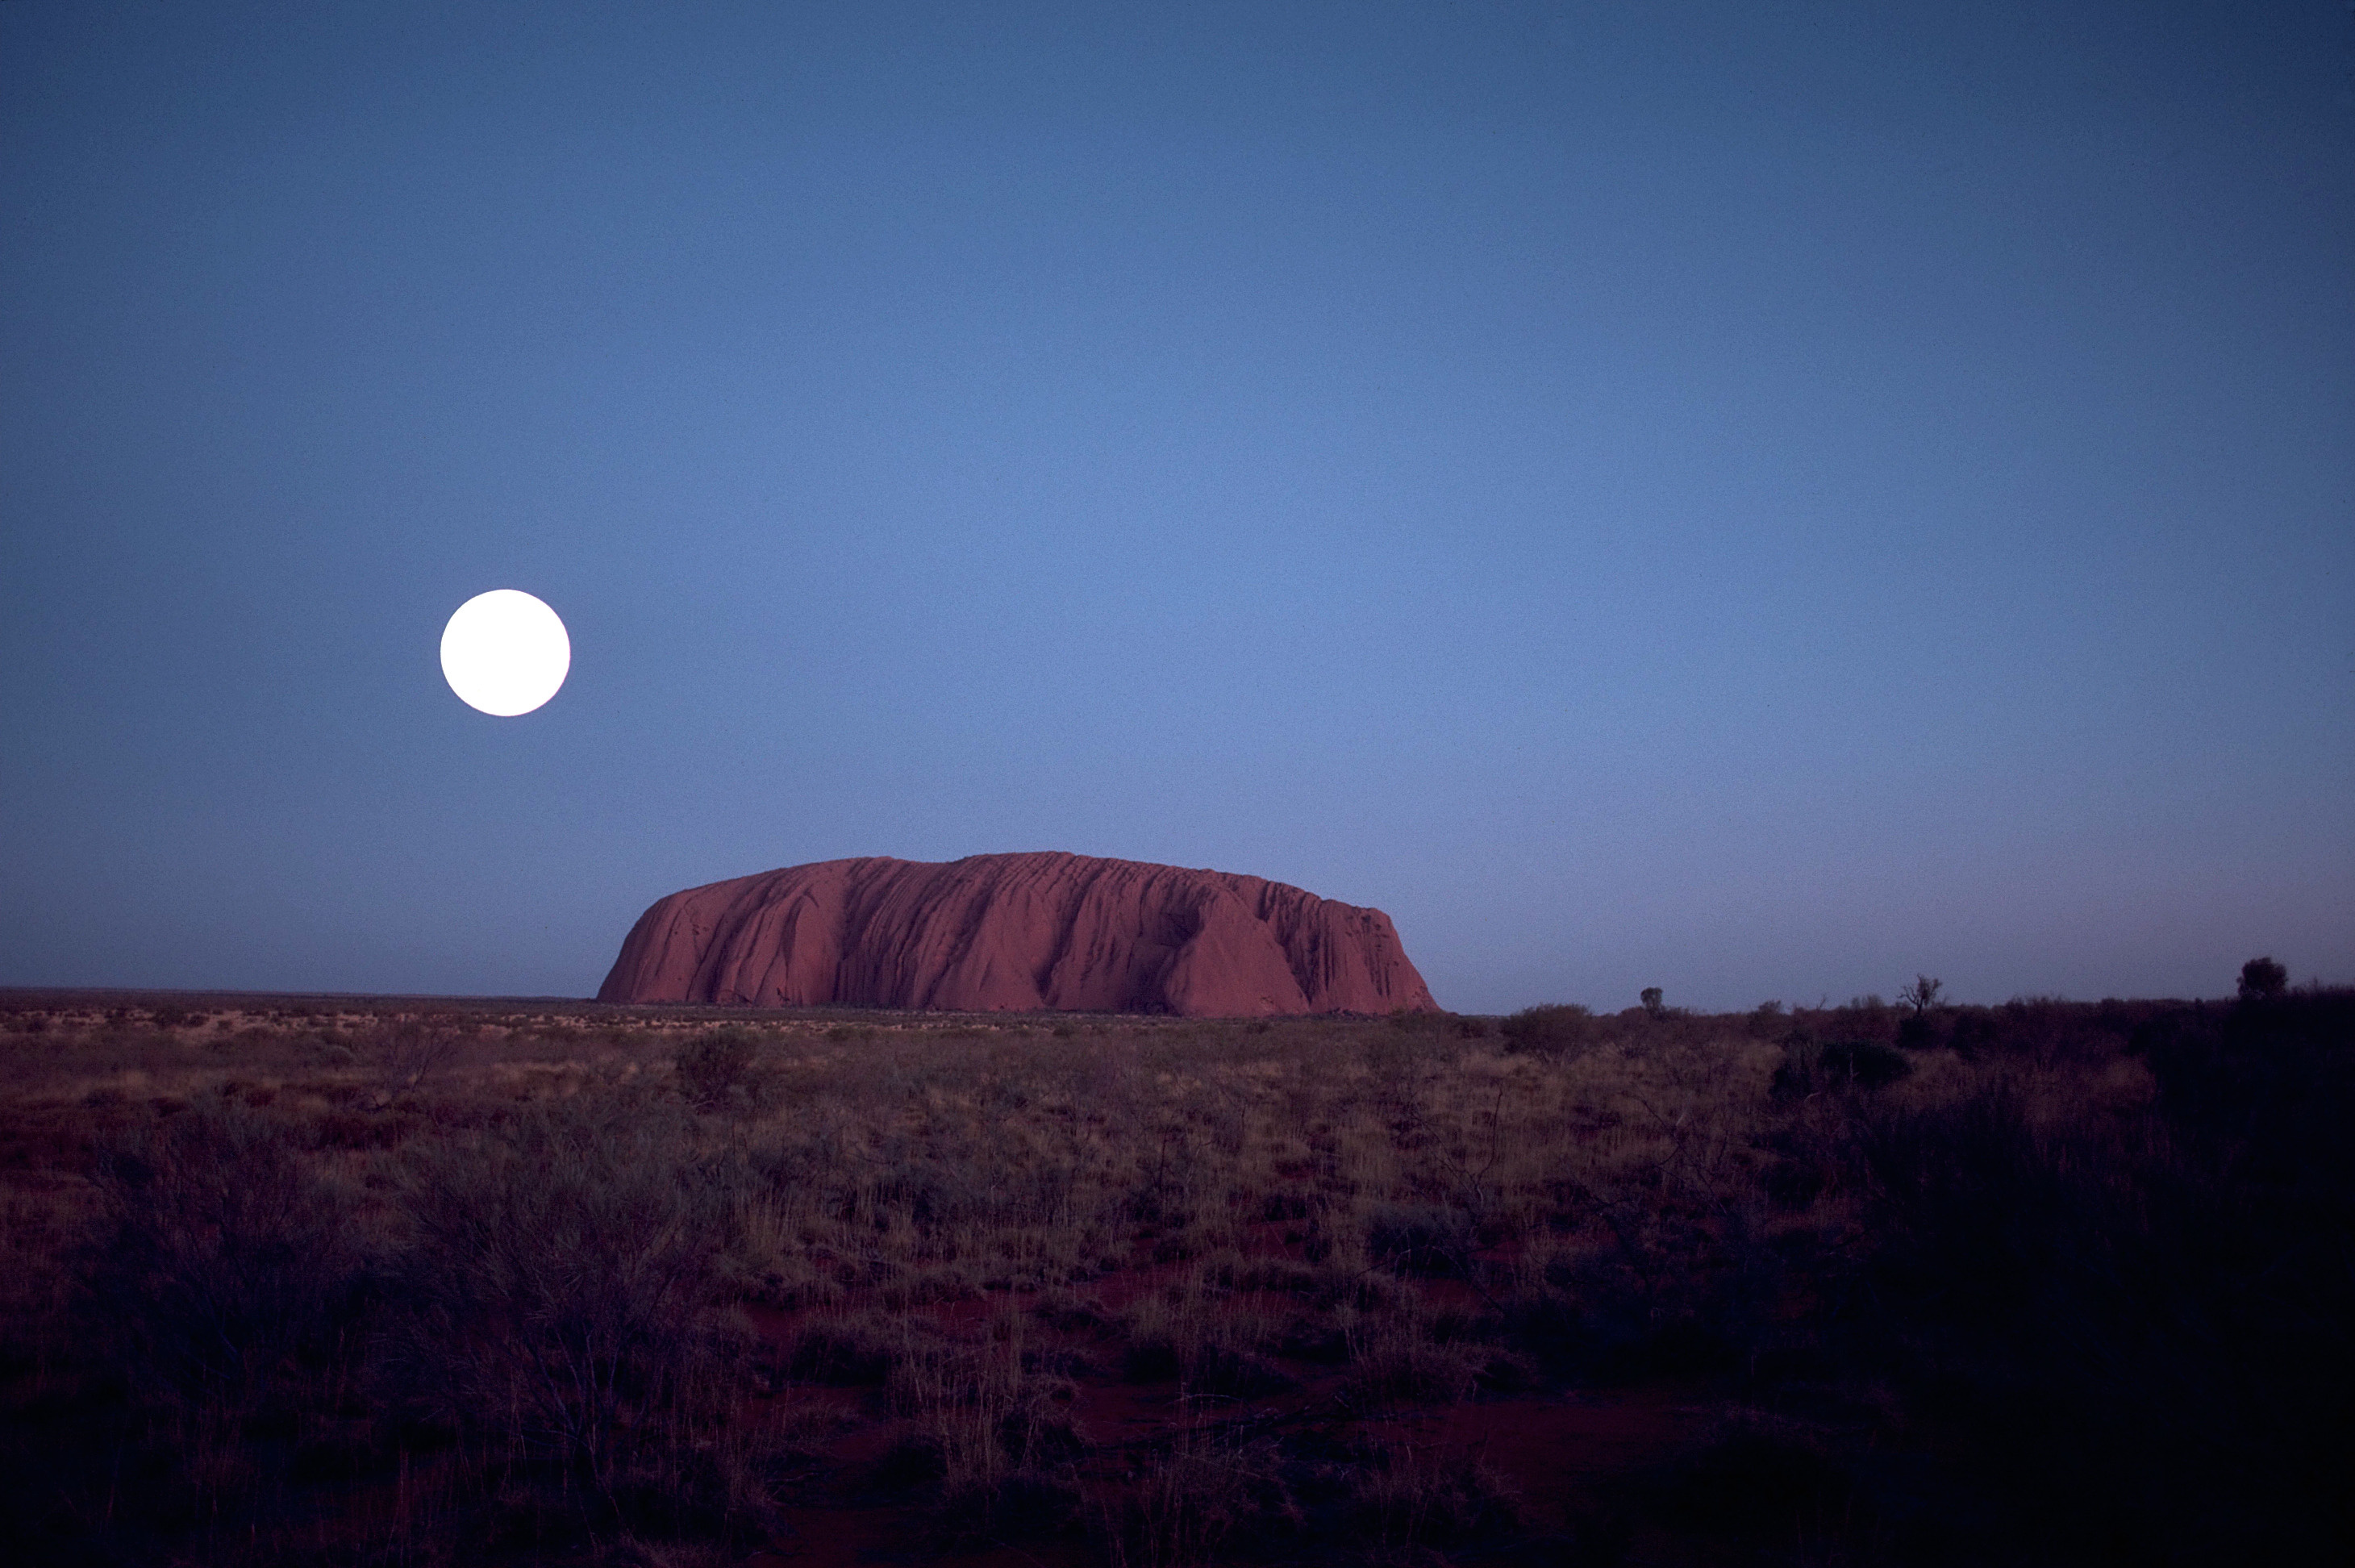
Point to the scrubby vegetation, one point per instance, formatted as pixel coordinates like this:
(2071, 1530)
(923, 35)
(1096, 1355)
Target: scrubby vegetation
(2048, 1283)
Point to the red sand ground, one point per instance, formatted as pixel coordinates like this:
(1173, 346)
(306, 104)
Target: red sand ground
(1561, 1453)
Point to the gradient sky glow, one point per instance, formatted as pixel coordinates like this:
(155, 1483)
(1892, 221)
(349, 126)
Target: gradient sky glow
(1755, 500)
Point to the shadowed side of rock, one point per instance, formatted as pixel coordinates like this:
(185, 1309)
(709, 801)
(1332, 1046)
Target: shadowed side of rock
(1016, 933)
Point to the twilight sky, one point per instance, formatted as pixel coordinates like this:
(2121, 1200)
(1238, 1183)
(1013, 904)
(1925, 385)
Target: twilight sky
(1755, 500)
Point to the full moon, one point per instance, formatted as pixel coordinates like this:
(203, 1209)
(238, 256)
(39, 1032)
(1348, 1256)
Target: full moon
(504, 653)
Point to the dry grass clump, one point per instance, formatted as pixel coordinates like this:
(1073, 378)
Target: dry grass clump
(1195, 1495)
(1434, 1499)
(999, 1427)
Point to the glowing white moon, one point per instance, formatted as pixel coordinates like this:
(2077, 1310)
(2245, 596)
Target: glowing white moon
(504, 653)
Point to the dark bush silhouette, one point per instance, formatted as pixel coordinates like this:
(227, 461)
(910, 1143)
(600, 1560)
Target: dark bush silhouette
(224, 1257)
(842, 1354)
(2142, 1315)
(406, 1052)
(1551, 1028)
(715, 1064)
(1810, 1068)
(552, 1296)
(2262, 979)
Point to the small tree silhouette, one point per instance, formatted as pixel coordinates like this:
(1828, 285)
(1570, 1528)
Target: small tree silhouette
(1917, 1031)
(1922, 995)
(1652, 1004)
(2262, 979)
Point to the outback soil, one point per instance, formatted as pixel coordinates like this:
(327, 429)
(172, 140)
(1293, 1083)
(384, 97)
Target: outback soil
(338, 1280)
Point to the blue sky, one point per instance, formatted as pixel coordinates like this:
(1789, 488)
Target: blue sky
(1759, 501)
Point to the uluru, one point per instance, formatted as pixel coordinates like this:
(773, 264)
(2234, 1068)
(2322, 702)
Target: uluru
(1016, 933)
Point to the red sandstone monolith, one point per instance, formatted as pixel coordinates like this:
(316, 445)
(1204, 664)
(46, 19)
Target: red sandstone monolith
(1016, 933)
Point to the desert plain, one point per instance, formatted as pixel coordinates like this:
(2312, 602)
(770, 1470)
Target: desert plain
(336, 1280)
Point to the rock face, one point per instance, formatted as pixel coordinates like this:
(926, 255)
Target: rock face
(1016, 932)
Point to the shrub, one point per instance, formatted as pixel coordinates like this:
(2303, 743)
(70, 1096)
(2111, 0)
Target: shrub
(1973, 1030)
(1393, 1363)
(981, 1514)
(406, 1052)
(554, 1296)
(2262, 979)
(1421, 1240)
(1194, 1493)
(223, 1255)
(1809, 1068)
(843, 1353)
(1549, 1030)
(715, 1064)
(1433, 1500)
